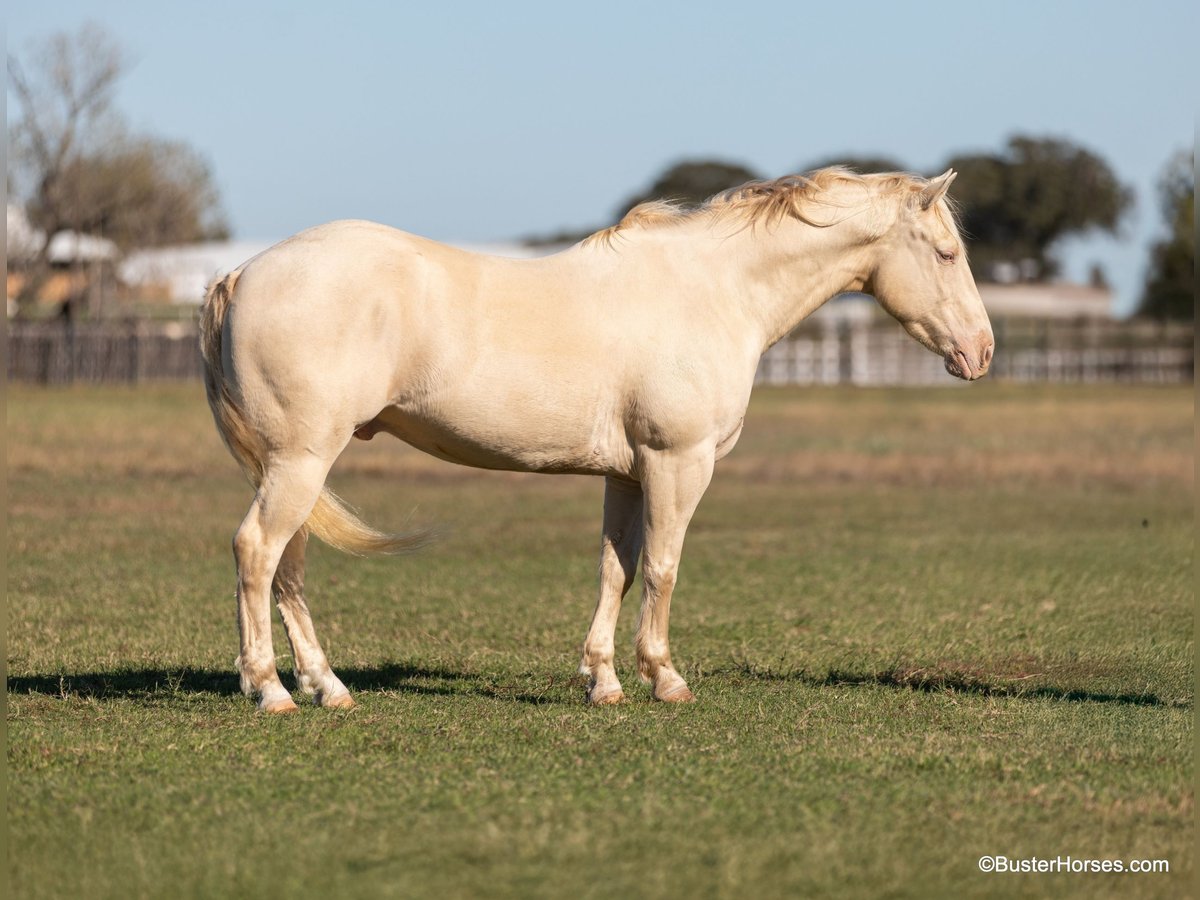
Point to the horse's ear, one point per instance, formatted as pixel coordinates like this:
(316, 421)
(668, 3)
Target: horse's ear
(936, 189)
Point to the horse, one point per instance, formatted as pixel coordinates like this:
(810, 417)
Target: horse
(630, 355)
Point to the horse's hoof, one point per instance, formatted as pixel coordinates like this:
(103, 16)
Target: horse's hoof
(606, 698)
(285, 705)
(679, 694)
(340, 701)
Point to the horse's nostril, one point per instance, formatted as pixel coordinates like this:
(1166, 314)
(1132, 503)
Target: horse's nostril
(987, 354)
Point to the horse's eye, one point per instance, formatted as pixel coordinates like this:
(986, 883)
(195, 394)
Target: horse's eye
(946, 255)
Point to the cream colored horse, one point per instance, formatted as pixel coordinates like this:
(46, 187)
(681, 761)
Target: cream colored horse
(630, 355)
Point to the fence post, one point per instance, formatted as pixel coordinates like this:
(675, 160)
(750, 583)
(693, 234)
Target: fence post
(845, 353)
(72, 350)
(134, 354)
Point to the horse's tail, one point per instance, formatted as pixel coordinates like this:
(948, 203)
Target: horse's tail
(330, 520)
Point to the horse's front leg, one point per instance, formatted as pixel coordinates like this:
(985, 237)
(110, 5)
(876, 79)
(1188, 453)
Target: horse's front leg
(620, 547)
(673, 482)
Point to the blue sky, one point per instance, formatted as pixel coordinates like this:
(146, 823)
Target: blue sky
(482, 121)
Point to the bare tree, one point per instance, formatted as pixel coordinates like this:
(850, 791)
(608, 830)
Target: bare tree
(77, 168)
(65, 96)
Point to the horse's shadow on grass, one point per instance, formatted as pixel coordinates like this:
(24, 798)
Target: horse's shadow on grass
(400, 678)
(406, 678)
(937, 681)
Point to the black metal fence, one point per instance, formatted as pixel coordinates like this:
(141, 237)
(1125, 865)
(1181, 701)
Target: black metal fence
(873, 352)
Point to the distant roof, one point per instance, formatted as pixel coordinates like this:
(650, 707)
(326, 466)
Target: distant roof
(186, 270)
(65, 247)
(1054, 300)
(70, 246)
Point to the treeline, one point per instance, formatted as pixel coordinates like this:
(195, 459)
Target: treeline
(76, 166)
(1016, 206)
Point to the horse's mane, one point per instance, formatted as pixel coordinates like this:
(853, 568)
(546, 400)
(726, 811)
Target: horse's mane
(765, 202)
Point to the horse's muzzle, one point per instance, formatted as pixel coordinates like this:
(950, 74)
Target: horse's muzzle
(970, 359)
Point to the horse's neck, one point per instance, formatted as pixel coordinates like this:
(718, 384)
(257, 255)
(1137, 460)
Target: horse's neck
(792, 269)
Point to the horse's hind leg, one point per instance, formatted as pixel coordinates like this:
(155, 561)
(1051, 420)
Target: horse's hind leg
(286, 496)
(312, 668)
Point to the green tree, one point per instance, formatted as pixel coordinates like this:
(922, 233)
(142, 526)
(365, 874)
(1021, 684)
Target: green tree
(1170, 290)
(691, 182)
(865, 165)
(1018, 204)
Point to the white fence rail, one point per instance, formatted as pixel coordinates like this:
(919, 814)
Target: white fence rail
(875, 352)
(879, 352)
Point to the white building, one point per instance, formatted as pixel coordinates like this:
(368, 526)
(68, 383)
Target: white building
(182, 273)
(66, 247)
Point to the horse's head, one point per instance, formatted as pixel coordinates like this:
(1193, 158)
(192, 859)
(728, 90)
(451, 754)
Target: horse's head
(923, 280)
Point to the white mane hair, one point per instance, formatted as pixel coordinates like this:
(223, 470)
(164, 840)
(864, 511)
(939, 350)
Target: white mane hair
(769, 202)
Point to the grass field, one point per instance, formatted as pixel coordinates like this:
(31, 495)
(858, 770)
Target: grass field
(923, 626)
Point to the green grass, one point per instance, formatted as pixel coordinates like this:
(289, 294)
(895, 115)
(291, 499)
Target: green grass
(923, 626)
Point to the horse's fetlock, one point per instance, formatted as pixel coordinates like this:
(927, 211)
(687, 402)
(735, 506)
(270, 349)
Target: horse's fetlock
(595, 657)
(245, 682)
(307, 683)
(652, 657)
(253, 674)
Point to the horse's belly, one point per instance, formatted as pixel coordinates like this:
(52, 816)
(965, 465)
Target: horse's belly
(512, 446)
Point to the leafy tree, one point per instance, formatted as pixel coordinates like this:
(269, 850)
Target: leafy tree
(139, 192)
(1016, 205)
(691, 182)
(76, 168)
(866, 165)
(1170, 290)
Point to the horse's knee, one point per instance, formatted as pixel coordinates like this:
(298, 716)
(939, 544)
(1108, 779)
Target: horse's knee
(659, 577)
